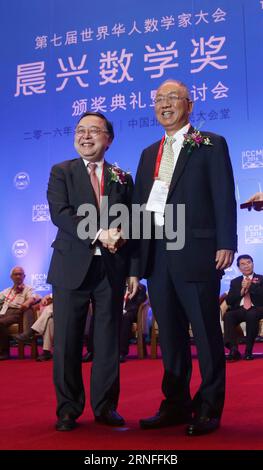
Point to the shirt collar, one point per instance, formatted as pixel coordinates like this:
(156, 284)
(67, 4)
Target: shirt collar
(99, 163)
(249, 277)
(18, 289)
(180, 134)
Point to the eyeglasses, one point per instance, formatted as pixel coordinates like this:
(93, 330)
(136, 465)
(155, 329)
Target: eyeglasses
(93, 131)
(171, 98)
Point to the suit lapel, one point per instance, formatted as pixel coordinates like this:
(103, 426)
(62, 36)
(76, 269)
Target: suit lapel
(148, 177)
(107, 189)
(82, 182)
(107, 183)
(152, 161)
(183, 159)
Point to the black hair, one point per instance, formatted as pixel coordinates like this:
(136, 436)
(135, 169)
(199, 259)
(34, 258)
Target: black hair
(108, 124)
(244, 257)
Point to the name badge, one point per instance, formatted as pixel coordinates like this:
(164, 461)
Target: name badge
(158, 196)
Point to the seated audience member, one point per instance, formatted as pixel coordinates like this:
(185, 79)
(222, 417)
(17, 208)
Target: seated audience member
(130, 311)
(245, 299)
(14, 301)
(44, 326)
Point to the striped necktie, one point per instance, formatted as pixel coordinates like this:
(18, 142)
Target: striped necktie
(167, 162)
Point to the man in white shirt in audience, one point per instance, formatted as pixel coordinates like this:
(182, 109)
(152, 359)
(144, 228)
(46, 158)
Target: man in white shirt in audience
(14, 301)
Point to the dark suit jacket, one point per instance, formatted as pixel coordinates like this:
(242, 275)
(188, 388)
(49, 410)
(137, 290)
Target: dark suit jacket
(233, 298)
(69, 187)
(203, 181)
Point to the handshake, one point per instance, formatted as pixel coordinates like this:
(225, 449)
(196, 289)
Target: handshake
(112, 239)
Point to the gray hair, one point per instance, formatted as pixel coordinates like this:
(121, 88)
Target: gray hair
(179, 83)
(16, 267)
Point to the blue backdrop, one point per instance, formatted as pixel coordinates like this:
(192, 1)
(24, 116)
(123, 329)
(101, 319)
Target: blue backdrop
(62, 57)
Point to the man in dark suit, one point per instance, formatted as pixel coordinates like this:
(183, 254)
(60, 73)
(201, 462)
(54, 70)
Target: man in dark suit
(245, 299)
(191, 169)
(88, 265)
(130, 311)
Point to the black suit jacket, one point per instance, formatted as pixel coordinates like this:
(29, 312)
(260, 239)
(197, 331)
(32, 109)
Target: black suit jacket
(69, 186)
(233, 298)
(203, 182)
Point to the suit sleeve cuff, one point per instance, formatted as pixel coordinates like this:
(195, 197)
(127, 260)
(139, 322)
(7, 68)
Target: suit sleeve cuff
(97, 236)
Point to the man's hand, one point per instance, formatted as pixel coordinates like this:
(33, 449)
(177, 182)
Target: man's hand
(28, 303)
(256, 198)
(25, 306)
(132, 286)
(224, 258)
(46, 300)
(111, 239)
(246, 283)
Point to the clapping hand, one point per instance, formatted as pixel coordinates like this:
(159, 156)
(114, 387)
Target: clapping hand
(246, 283)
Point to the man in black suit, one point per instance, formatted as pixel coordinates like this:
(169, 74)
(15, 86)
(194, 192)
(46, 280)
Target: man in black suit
(88, 265)
(245, 299)
(183, 283)
(130, 311)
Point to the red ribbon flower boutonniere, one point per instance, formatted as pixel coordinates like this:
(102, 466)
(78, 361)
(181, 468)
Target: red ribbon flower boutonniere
(195, 139)
(117, 175)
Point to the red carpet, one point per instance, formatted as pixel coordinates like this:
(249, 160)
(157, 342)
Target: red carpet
(27, 409)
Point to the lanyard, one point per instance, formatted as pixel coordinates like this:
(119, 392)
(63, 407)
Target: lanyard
(159, 158)
(8, 299)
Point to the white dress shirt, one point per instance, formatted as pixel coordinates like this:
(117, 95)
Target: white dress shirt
(177, 147)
